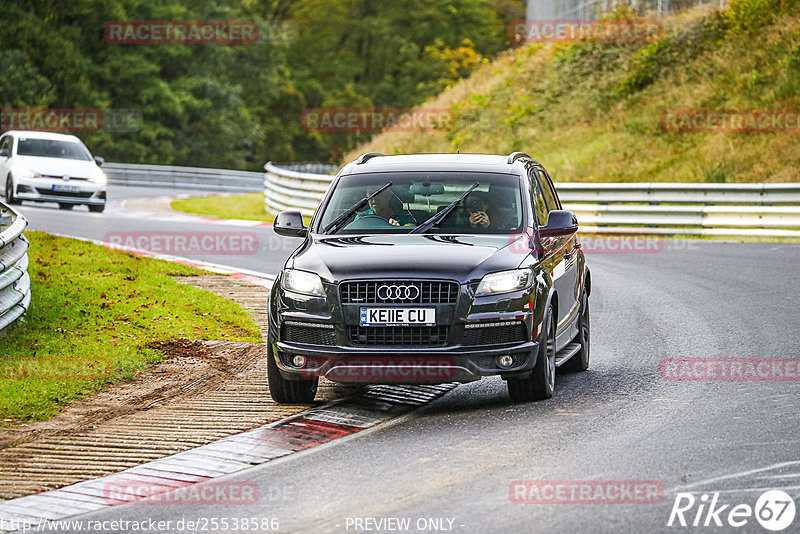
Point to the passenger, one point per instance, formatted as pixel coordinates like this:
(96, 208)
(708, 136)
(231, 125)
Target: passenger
(478, 210)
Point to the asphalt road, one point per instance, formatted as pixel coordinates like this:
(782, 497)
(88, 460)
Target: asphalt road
(450, 465)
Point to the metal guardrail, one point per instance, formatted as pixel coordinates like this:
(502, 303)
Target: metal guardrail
(295, 187)
(15, 284)
(184, 177)
(732, 210)
(722, 210)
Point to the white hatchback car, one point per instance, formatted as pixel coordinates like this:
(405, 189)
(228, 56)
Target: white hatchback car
(50, 167)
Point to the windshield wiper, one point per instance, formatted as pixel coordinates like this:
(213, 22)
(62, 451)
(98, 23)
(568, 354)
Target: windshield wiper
(439, 217)
(354, 208)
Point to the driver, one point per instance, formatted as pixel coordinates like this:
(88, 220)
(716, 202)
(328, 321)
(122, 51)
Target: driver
(388, 206)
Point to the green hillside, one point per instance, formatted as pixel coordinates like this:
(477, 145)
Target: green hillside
(592, 111)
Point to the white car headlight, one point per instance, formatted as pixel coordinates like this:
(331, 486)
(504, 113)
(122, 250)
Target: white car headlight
(27, 173)
(302, 282)
(504, 282)
(99, 179)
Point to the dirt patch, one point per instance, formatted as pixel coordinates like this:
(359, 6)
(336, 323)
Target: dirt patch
(189, 368)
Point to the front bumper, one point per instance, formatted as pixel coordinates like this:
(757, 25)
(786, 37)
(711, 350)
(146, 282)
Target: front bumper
(334, 351)
(42, 190)
(408, 366)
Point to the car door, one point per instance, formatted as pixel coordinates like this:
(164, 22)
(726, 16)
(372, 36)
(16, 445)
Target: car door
(6, 142)
(565, 270)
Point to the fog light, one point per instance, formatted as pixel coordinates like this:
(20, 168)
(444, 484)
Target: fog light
(299, 361)
(505, 361)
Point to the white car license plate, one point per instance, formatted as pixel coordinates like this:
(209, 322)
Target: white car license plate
(66, 188)
(398, 316)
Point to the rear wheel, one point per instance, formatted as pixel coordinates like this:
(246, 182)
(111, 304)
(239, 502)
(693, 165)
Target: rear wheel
(288, 391)
(63, 206)
(10, 198)
(539, 385)
(580, 362)
(97, 209)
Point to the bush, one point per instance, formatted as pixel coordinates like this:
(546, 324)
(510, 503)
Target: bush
(751, 15)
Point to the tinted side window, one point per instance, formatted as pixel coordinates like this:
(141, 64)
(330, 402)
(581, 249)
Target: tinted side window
(6, 143)
(539, 205)
(549, 191)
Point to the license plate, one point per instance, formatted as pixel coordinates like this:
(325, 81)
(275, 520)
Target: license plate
(398, 316)
(66, 188)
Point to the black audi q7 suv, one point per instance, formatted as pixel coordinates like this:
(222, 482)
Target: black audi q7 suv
(424, 269)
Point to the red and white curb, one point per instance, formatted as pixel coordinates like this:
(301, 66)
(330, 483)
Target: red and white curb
(188, 218)
(181, 217)
(167, 479)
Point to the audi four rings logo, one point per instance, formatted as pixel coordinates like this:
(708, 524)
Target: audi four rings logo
(387, 292)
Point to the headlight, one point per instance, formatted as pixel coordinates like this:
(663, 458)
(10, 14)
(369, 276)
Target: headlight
(302, 282)
(27, 173)
(504, 282)
(98, 179)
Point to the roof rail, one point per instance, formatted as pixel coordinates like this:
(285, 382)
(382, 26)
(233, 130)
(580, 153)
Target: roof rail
(368, 156)
(514, 156)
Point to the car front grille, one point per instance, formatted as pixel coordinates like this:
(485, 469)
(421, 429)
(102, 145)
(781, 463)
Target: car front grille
(50, 192)
(398, 336)
(399, 292)
(495, 333)
(53, 177)
(308, 333)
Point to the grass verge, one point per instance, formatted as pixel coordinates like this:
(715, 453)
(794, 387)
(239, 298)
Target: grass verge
(93, 312)
(249, 206)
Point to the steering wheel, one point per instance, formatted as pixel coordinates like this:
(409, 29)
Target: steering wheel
(370, 221)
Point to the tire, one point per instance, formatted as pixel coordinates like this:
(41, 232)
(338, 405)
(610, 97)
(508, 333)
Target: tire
(288, 391)
(539, 385)
(580, 362)
(62, 206)
(9, 191)
(97, 209)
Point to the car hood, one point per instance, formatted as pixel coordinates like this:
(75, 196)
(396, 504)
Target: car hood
(59, 166)
(462, 258)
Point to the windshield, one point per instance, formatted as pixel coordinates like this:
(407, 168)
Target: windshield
(49, 148)
(494, 206)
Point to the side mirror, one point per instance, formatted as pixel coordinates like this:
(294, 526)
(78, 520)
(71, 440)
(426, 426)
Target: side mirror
(4, 153)
(559, 222)
(290, 224)
(99, 161)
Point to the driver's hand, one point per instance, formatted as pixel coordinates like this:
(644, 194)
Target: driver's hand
(393, 222)
(479, 219)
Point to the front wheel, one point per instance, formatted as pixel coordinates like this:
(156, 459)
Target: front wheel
(10, 198)
(539, 385)
(288, 391)
(97, 209)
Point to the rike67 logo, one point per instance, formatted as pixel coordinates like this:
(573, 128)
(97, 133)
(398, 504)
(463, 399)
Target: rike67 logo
(774, 510)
